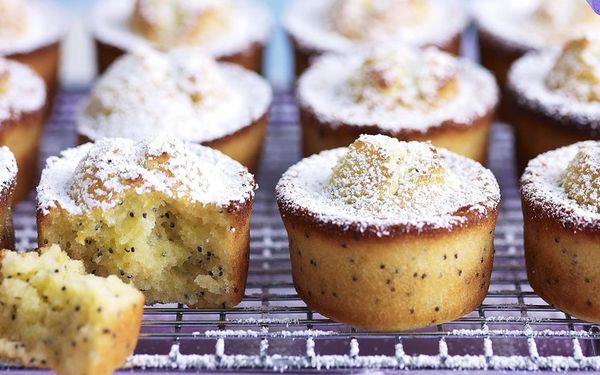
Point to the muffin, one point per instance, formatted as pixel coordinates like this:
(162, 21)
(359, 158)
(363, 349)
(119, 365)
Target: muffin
(508, 29)
(555, 96)
(184, 94)
(22, 104)
(30, 33)
(8, 179)
(401, 92)
(560, 193)
(170, 218)
(319, 26)
(55, 315)
(387, 235)
(234, 31)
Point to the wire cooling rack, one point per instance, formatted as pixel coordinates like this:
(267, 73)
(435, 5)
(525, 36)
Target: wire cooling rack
(272, 329)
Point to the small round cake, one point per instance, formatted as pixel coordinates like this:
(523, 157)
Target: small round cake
(388, 235)
(401, 92)
(555, 96)
(234, 31)
(171, 218)
(510, 28)
(184, 94)
(22, 105)
(8, 180)
(560, 192)
(319, 26)
(30, 32)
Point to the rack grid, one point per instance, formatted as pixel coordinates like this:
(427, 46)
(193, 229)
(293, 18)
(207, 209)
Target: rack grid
(272, 329)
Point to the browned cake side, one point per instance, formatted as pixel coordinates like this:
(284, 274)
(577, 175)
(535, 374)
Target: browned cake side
(563, 262)
(470, 140)
(399, 282)
(303, 56)
(250, 58)
(22, 135)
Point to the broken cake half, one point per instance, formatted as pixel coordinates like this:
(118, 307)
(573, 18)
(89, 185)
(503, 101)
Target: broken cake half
(169, 217)
(53, 314)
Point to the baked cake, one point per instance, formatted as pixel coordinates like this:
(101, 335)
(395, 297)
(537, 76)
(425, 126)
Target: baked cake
(510, 28)
(555, 96)
(55, 315)
(397, 91)
(388, 235)
(233, 31)
(182, 93)
(319, 26)
(170, 218)
(560, 193)
(30, 32)
(8, 179)
(22, 104)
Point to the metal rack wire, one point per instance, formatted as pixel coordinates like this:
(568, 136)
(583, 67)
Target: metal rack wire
(273, 329)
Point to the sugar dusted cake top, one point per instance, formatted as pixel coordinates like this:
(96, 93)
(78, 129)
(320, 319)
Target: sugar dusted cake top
(535, 23)
(21, 90)
(382, 186)
(183, 93)
(26, 25)
(565, 183)
(94, 175)
(564, 83)
(342, 25)
(397, 88)
(220, 28)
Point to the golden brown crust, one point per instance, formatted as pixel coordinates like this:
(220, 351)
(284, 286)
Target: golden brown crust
(538, 131)
(22, 135)
(563, 263)
(470, 140)
(394, 283)
(244, 146)
(250, 58)
(303, 56)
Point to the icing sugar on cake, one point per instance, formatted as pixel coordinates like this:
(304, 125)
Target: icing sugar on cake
(326, 89)
(528, 78)
(21, 90)
(8, 168)
(183, 93)
(379, 182)
(309, 23)
(534, 23)
(250, 23)
(42, 25)
(93, 175)
(552, 180)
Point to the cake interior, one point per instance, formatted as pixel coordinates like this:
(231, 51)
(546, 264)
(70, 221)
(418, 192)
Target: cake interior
(172, 250)
(53, 314)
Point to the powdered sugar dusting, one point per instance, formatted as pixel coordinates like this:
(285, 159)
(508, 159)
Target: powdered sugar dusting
(527, 78)
(93, 175)
(324, 89)
(533, 24)
(183, 93)
(250, 23)
(21, 90)
(43, 25)
(542, 186)
(305, 187)
(8, 168)
(308, 22)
